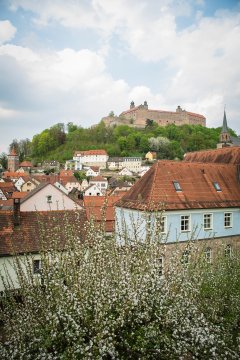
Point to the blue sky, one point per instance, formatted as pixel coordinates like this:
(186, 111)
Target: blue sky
(77, 60)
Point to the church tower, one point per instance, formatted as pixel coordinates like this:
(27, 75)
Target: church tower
(13, 161)
(224, 138)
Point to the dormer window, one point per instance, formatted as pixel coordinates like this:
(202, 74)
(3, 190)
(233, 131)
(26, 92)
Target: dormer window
(217, 186)
(177, 185)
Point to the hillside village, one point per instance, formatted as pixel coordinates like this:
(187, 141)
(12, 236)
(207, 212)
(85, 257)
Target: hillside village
(75, 233)
(202, 191)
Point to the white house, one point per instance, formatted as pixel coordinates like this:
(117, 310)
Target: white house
(93, 171)
(100, 182)
(47, 197)
(131, 163)
(90, 158)
(93, 190)
(125, 172)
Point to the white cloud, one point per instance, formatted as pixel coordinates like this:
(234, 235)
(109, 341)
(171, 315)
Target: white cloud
(7, 31)
(201, 61)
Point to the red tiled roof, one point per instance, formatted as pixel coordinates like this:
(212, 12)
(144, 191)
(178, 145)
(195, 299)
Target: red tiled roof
(68, 179)
(19, 194)
(13, 152)
(8, 202)
(90, 152)
(5, 185)
(226, 155)
(95, 168)
(37, 230)
(101, 208)
(66, 173)
(11, 174)
(155, 190)
(97, 178)
(26, 164)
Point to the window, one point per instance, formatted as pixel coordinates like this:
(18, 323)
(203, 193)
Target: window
(49, 198)
(217, 186)
(37, 266)
(228, 251)
(177, 185)
(185, 223)
(185, 257)
(208, 255)
(161, 264)
(227, 220)
(207, 221)
(163, 224)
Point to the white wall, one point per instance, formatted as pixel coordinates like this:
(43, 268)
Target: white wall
(39, 201)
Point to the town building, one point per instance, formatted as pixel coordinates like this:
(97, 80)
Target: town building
(28, 234)
(225, 138)
(47, 197)
(131, 163)
(188, 200)
(138, 116)
(90, 158)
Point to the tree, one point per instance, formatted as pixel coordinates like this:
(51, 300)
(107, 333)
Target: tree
(4, 160)
(99, 300)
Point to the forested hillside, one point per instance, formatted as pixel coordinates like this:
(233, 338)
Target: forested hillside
(170, 142)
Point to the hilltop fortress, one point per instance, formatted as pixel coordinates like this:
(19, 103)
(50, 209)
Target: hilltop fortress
(137, 116)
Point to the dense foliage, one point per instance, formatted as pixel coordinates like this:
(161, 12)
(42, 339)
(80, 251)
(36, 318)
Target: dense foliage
(170, 142)
(102, 301)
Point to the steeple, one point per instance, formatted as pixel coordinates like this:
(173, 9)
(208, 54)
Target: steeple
(224, 127)
(225, 138)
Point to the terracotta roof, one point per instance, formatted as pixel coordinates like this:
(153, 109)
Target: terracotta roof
(97, 178)
(19, 194)
(37, 229)
(66, 173)
(226, 155)
(101, 208)
(52, 178)
(95, 168)
(12, 174)
(13, 152)
(156, 191)
(68, 179)
(90, 152)
(6, 185)
(6, 203)
(25, 164)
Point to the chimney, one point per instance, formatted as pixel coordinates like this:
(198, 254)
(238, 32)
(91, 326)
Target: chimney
(16, 211)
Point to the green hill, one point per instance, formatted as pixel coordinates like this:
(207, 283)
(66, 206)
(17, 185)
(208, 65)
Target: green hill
(170, 142)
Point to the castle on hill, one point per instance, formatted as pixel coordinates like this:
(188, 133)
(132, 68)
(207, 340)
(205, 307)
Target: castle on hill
(137, 116)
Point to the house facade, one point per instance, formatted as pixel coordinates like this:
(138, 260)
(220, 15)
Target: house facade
(180, 201)
(131, 163)
(27, 234)
(90, 158)
(47, 197)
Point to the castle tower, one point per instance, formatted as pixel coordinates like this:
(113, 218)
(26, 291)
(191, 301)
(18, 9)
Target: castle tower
(145, 104)
(13, 161)
(132, 105)
(224, 138)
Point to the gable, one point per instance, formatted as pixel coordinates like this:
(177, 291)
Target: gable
(46, 198)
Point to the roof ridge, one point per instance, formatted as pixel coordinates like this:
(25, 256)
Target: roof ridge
(154, 177)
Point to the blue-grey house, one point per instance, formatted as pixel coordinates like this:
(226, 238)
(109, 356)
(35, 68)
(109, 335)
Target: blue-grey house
(182, 200)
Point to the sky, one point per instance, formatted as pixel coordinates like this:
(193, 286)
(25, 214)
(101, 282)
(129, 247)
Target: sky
(77, 60)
